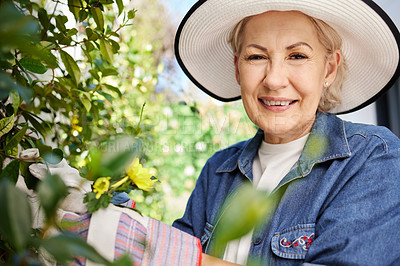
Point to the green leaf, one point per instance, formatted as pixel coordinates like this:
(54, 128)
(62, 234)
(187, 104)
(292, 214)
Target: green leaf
(43, 18)
(66, 246)
(51, 192)
(123, 261)
(16, 217)
(33, 65)
(117, 154)
(42, 128)
(106, 2)
(98, 18)
(11, 172)
(115, 46)
(86, 103)
(6, 124)
(30, 180)
(15, 100)
(71, 67)
(245, 210)
(95, 74)
(132, 14)
(60, 23)
(15, 140)
(7, 84)
(5, 64)
(109, 72)
(94, 204)
(120, 5)
(82, 15)
(72, 32)
(106, 50)
(43, 148)
(54, 157)
(74, 6)
(114, 89)
(89, 46)
(107, 96)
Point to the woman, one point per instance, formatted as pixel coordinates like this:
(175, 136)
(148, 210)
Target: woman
(295, 64)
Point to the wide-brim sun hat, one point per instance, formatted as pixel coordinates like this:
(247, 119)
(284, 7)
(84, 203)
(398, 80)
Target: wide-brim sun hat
(371, 45)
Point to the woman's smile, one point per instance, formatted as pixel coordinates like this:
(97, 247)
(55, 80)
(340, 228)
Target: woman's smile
(277, 104)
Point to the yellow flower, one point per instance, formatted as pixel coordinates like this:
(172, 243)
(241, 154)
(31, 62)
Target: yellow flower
(101, 186)
(139, 175)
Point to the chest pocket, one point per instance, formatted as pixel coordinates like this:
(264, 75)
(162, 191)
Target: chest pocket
(293, 242)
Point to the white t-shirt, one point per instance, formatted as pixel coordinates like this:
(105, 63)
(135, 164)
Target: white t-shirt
(271, 164)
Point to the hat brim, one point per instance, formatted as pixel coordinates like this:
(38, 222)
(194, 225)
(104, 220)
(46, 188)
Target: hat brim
(371, 45)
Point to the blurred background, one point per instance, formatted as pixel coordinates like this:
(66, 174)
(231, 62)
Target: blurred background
(384, 112)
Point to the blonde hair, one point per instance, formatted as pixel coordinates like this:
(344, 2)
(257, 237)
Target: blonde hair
(330, 39)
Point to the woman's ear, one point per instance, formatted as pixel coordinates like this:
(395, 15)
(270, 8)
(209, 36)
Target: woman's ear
(236, 61)
(333, 62)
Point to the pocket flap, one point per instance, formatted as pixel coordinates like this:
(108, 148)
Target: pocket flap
(293, 242)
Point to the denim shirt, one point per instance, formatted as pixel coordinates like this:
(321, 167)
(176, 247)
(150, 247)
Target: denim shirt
(340, 203)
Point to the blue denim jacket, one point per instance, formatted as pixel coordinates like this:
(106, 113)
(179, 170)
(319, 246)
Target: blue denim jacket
(340, 207)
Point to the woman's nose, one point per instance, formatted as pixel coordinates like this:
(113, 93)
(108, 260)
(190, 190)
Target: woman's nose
(275, 76)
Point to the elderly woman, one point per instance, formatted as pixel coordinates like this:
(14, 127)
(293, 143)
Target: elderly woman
(295, 64)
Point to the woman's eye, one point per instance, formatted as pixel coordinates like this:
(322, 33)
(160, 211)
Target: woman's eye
(255, 57)
(297, 56)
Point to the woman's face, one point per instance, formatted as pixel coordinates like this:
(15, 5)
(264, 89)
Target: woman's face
(282, 68)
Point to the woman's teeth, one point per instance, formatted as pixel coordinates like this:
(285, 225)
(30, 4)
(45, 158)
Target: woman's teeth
(276, 103)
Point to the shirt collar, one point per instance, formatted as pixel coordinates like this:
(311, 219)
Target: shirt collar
(327, 141)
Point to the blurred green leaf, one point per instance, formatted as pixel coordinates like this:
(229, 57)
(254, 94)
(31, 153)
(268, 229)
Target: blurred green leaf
(247, 209)
(82, 15)
(86, 103)
(6, 124)
(15, 226)
(7, 84)
(71, 66)
(43, 18)
(43, 149)
(317, 145)
(109, 72)
(114, 89)
(98, 17)
(65, 247)
(120, 5)
(30, 180)
(42, 127)
(106, 2)
(132, 14)
(11, 172)
(72, 32)
(74, 6)
(16, 102)
(61, 22)
(94, 204)
(16, 139)
(106, 50)
(51, 191)
(53, 157)
(123, 261)
(33, 65)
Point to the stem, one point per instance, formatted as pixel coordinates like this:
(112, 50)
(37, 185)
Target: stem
(51, 17)
(37, 159)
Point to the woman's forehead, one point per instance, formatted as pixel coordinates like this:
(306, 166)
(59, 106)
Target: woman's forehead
(278, 24)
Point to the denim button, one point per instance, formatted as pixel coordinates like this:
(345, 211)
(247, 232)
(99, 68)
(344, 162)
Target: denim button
(257, 241)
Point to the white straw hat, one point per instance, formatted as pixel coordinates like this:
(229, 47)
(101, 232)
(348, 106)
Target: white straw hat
(371, 45)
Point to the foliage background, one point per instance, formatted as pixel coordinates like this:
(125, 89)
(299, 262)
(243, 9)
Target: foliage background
(77, 73)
